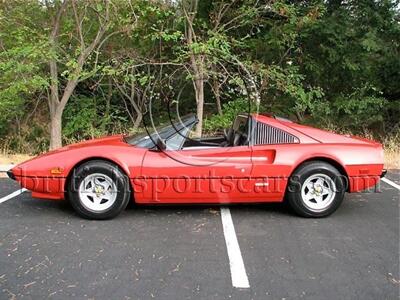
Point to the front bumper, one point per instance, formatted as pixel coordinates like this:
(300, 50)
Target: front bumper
(11, 175)
(384, 171)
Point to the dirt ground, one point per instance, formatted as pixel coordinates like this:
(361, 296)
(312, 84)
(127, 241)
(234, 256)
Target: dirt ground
(6, 159)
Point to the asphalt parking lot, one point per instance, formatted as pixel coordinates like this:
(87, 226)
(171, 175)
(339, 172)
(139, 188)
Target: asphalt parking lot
(180, 252)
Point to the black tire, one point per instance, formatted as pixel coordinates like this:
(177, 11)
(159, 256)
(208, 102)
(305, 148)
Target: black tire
(310, 170)
(119, 179)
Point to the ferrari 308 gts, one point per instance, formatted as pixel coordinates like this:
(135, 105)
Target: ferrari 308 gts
(261, 158)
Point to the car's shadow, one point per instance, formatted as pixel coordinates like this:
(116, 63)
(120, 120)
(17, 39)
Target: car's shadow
(64, 209)
(277, 208)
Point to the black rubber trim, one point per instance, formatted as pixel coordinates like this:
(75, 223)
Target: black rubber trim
(11, 175)
(50, 176)
(384, 171)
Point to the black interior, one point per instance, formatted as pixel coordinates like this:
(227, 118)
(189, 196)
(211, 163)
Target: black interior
(230, 138)
(205, 142)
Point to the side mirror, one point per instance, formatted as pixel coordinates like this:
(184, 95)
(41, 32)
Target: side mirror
(161, 145)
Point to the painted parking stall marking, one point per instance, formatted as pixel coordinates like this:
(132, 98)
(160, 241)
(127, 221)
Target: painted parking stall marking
(238, 271)
(393, 184)
(12, 195)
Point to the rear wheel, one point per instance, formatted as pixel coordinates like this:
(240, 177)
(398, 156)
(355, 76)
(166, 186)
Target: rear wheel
(316, 189)
(98, 190)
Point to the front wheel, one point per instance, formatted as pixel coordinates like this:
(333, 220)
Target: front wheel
(98, 190)
(316, 189)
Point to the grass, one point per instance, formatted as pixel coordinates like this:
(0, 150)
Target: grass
(392, 159)
(392, 152)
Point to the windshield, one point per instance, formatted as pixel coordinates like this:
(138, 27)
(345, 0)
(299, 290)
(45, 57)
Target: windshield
(173, 134)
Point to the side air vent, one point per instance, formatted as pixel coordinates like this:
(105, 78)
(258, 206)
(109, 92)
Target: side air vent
(265, 134)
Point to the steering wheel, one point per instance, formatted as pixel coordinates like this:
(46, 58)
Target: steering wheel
(226, 133)
(229, 134)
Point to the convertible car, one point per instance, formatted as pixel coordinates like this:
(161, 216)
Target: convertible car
(261, 158)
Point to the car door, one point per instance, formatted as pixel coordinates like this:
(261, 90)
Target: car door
(212, 175)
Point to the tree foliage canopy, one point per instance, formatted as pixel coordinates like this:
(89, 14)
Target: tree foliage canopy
(95, 66)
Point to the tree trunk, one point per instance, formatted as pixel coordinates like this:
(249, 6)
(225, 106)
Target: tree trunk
(217, 97)
(57, 105)
(138, 120)
(55, 130)
(199, 85)
(299, 116)
(108, 98)
(197, 64)
(55, 117)
(56, 112)
(54, 100)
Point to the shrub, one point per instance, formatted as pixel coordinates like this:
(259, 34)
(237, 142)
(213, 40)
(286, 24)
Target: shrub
(230, 110)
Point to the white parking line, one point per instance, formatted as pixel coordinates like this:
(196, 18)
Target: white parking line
(238, 271)
(12, 195)
(393, 184)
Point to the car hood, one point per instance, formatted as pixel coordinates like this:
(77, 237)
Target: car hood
(102, 141)
(108, 140)
(113, 148)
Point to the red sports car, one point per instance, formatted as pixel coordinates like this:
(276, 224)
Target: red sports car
(259, 159)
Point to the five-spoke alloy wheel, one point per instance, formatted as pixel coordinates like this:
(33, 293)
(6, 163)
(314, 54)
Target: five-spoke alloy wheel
(316, 189)
(98, 190)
